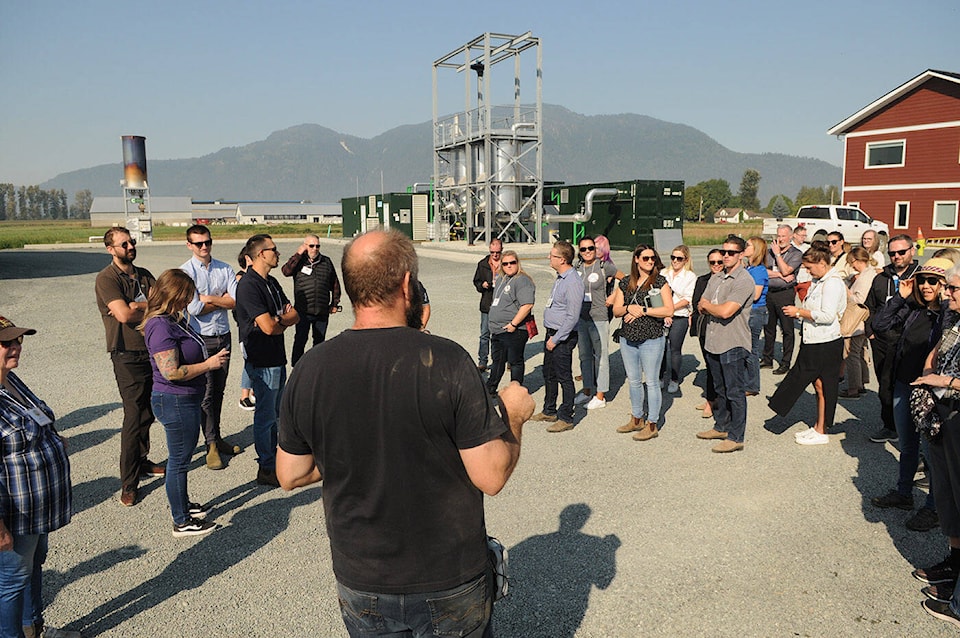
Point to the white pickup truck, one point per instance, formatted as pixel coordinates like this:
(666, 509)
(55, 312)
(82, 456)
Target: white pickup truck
(820, 220)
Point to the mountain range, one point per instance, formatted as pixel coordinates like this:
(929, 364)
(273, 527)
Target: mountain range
(314, 163)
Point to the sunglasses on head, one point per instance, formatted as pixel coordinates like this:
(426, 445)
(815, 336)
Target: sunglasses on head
(930, 280)
(729, 253)
(677, 258)
(509, 263)
(9, 342)
(898, 253)
(587, 249)
(127, 244)
(205, 242)
(717, 262)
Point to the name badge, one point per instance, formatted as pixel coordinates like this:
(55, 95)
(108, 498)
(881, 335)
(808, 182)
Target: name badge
(39, 417)
(307, 270)
(588, 296)
(549, 302)
(496, 302)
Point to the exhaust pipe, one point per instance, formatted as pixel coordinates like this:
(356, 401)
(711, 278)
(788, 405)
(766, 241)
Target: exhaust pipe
(587, 206)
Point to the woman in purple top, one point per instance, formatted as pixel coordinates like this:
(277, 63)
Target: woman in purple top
(180, 364)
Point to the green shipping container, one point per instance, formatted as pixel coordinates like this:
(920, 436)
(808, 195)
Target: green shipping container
(640, 207)
(407, 212)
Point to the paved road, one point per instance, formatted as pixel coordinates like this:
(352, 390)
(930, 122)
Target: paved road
(607, 536)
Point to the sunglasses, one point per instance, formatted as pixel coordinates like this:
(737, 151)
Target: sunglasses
(9, 342)
(835, 241)
(127, 244)
(313, 245)
(509, 263)
(718, 262)
(205, 242)
(675, 258)
(898, 253)
(951, 289)
(729, 253)
(930, 280)
(274, 249)
(495, 252)
(587, 249)
(648, 258)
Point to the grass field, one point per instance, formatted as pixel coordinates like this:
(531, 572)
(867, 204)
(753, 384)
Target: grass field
(15, 234)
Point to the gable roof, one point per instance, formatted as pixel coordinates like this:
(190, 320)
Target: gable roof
(852, 121)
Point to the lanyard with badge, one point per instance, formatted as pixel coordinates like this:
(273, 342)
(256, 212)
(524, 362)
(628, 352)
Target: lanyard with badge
(30, 407)
(190, 332)
(499, 288)
(592, 277)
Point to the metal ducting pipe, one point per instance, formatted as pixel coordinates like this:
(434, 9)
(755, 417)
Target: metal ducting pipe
(587, 206)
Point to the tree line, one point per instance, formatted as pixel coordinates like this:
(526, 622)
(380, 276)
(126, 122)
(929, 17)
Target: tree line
(702, 200)
(33, 202)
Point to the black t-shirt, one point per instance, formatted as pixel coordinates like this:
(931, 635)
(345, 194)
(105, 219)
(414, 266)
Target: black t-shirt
(385, 412)
(255, 296)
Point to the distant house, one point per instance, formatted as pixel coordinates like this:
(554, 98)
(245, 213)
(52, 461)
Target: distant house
(736, 215)
(902, 156)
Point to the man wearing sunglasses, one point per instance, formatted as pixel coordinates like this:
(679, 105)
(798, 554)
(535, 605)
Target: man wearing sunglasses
(216, 294)
(483, 281)
(263, 313)
(782, 266)
(121, 291)
(316, 293)
(884, 342)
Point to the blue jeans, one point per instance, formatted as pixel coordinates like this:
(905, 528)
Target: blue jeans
(594, 354)
(642, 359)
(268, 387)
(316, 323)
(484, 352)
(758, 319)
(673, 350)
(245, 383)
(461, 611)
(180, 416)
(558, 371)
(910, 443)
(730, 408)
(21, 600)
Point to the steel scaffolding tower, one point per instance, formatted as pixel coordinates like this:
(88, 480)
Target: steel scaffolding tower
(488, 160)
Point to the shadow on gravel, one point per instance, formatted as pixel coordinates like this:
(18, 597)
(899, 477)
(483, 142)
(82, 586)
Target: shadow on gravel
(249, 530)
(37, 264)
(877, 469)
(54, 581)
(91, 493)
(551, 577)
(85, 440)
(82, 416)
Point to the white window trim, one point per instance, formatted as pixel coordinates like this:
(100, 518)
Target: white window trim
(956, 214)
(853, 205)
(866, 154)
(896, 209)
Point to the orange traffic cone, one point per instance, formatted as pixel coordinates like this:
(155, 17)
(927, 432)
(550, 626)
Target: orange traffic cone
(921, 241)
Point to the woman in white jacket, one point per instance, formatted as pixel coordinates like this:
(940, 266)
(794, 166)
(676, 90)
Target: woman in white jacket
(821, 349)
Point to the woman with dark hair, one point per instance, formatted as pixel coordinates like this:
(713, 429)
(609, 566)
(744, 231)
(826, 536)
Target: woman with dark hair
(513, 296)
(643, 300)
(821, 347)
(755, 255)
(697, 328)
(917, 311)
(180, 363)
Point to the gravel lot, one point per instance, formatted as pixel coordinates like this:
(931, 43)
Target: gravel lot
(659, 539)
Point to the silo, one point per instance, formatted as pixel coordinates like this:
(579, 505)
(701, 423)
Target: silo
(135, 161)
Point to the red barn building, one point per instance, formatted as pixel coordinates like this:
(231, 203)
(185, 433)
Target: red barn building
(901, 160)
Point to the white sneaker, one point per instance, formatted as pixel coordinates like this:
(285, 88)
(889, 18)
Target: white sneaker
(596, 403)
(814, 439)
(804, 433)
(582, 398)
(673, 387)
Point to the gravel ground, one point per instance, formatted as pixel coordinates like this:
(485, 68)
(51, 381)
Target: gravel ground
(660, 538)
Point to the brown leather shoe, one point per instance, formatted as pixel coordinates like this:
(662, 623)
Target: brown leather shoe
(727, 446)
(548, 418)
(647, 433)
(711, 434)
(148, 468)
(632, 425)
(214, 462)
(128, 496)
(226, 447)
(560, 426)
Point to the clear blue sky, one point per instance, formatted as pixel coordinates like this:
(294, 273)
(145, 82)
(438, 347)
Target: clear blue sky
(194, 77)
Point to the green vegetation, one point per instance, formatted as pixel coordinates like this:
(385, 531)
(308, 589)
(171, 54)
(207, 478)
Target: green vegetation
(16, 234)
(704, 234)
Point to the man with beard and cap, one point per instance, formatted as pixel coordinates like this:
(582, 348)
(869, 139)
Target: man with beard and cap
(121, 290)
(405, 463)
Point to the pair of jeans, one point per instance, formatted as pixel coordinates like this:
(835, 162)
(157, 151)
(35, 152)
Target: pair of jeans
(856, 368)
(758, 319)
(910, 443)
(267, 384)
(558, 371)
(180, 415)
(135, 382)
(507, 347)
(776, 300)
(641, 360)
(212, 403)
(308, 323)
(594, 354)
(484, 351)
(729, 372)
(21, 596)
(673, 351)
(464, 610)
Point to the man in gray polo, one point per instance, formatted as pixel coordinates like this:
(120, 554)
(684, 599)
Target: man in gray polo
(726, 306)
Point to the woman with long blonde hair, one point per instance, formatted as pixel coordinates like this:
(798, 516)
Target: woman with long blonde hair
(682, 281)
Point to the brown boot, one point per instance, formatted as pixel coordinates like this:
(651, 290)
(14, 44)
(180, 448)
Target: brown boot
(632, 425)
(647, 433)
(213, 458)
